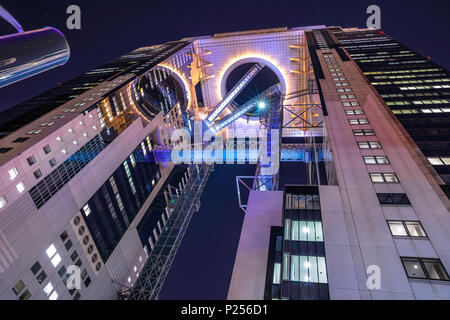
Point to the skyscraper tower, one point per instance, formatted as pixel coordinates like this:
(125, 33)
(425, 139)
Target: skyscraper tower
(353, 204)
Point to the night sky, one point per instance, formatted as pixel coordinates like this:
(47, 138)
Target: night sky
(203, 266)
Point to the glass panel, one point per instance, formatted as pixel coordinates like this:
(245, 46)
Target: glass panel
(286, 266)
(435, 269)
(288, 201)
(301, 200)
(322, 270)
(310, 231)
(382, 160)
(309, 202)
(294, 201)
(319, 232)
(370, 160)
(304, 266)
(303, 229)
(397, 228)
(313, 270)
(390, 177)
(413, 268)
(415, 229)
(295, 260)
(287, 229)
(376, 177)
(276, 273)
(295, 228)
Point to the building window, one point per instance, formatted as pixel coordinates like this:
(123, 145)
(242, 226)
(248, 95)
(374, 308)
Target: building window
(25, 296)
(384, 178)
(423, 268)
(3, 201)
(20, 187)
(13, 173)
(5, 150)
(354, 112)
(308, 269)
(31, 160)
(363, 132)
(18, 287)
(376, 160)
(41, 277)
(393, 199)
(358, 121)
(407, 229)
(48, 289)
(47, 149)
(87, 210)
(53, 255)
(38, 173)
(36, 267)
(436, 161)
(52, 162)
(306, 231)
(369, 145)
(20, 140)
(350, 104)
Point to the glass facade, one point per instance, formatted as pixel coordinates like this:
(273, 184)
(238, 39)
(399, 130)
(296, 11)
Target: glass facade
(113, 207)
(415, 89)
(297, 267)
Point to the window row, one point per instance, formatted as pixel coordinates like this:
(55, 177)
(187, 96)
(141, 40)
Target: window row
(423, 268)
(407, 229)
(393, 199)
(384, 177)
(303, 230)
(304, 268)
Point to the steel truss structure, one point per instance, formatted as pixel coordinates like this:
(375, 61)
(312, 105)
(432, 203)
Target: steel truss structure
(154, 272)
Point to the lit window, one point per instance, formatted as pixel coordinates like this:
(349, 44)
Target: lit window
(87, 210)
(435, 161)
(376, 160)
(56, 260)
(413, 268)
(397, 228)
(369, 145)
(277, 273)
(415, 229)
(3, 201)
(51, 251)
(435, 269)
(20, 187)
(384, 177)
(48, 289)
(423, 268)
(376, 177)
(13, 173)
(358, 121)
(53, 296)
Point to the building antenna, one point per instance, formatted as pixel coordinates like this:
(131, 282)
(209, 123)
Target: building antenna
(8, 17)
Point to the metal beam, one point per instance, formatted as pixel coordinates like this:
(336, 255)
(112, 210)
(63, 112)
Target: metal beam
(268, 94)
(229, 98)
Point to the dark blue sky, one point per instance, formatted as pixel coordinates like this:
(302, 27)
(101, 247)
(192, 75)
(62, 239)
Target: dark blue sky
(203, 266)
(110, 28)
